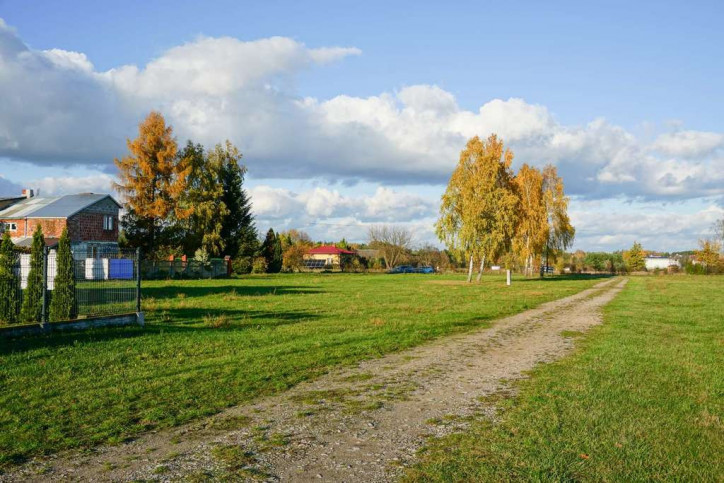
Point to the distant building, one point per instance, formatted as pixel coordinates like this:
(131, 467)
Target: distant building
(662, 263)
(328, 255)
(91, 219)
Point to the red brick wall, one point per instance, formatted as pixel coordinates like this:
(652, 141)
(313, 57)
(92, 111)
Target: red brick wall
(81, 227)
(52, 227)
(87, 226)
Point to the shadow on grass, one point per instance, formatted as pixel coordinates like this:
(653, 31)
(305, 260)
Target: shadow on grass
(183, 320)
(573, 276)
(174, 291)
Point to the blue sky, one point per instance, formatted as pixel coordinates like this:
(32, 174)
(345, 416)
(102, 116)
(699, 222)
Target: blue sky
(625, 97)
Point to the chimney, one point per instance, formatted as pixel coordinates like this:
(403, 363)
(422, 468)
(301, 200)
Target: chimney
(27, 193)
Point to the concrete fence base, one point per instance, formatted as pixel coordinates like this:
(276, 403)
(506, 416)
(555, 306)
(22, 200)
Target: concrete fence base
(80, 324)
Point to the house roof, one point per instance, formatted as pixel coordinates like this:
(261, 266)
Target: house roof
(58, 207)
(28, 242)
(329, 250)
(9, 200)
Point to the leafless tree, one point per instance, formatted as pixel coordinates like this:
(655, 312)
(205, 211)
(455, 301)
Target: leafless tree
(718, 229)
(393, 242)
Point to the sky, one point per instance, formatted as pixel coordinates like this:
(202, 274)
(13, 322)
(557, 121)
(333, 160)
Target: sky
(353, 114)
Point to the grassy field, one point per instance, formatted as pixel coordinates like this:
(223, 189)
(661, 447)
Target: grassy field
(212, 344)
(641, 400)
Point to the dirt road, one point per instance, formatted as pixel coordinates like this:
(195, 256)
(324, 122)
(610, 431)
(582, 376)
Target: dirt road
(358, 424)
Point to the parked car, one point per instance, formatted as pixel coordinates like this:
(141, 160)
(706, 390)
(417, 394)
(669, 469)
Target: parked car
(411, 269)
(403, 269)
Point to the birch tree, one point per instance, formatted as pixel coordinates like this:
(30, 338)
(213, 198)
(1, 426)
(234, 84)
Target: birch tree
(532, 230)
(560, 231)
(478, 213)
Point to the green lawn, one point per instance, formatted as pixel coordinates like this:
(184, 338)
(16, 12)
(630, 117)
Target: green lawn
(212, 344)
(641, 400)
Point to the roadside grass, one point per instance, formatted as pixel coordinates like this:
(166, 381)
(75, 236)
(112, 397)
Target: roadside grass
(212, 344)
(641, 400)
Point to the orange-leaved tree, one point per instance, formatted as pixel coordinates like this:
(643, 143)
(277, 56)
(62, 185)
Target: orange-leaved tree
(560, 231)
(479, 209)
(532, 230)
(152, 180)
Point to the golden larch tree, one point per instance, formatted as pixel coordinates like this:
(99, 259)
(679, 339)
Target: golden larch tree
(152, 180)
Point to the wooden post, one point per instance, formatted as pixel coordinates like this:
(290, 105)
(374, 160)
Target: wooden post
(507, 281)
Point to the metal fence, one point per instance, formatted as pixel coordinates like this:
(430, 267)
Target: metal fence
(108, 283)
(180, 269)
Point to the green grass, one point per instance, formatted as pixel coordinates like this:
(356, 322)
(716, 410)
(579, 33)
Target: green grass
(212, 344)
(641, 400)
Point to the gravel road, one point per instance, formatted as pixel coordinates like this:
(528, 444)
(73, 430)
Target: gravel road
(363, 423)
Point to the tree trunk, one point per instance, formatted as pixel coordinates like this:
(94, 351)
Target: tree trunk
(470, 270)
(482, 265)
(530, 266)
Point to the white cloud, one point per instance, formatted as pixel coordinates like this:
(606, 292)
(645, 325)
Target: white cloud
(210, 89)
(63, 111)
(601, 226)
(384, 205)
(689, 144)
(65, 59)
(52, 186)
(328, 215)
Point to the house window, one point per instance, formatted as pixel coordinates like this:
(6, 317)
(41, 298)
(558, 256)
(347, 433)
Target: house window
(108, 222)
(11, 226)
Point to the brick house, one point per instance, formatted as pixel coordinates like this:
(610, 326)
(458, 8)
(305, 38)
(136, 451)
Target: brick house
(92, 221)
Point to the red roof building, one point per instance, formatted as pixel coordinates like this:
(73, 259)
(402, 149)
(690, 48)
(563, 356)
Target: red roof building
(329, 250)
(327, 256)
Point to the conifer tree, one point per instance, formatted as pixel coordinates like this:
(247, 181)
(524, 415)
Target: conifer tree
(9, 282)
(271, 250)
(32, 307)
(635, 258)
(237, 229)
(62, 303)
(278, 257)
(152, 180)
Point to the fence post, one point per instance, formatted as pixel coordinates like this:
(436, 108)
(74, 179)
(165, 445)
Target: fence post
(44, 312)
(138, 280)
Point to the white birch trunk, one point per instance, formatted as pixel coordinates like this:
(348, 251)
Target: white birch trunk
(470, 270)
(482, 264)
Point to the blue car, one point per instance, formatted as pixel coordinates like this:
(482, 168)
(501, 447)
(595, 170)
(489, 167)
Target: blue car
(403, 269)
(411, 269)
